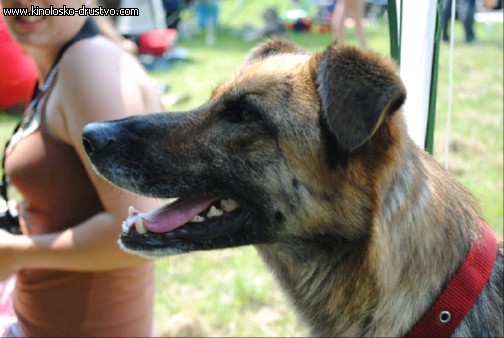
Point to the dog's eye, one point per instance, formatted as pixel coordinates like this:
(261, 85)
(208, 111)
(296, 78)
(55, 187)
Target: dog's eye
(241, 114)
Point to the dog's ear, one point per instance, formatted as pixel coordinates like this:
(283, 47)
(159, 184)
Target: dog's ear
(272, 47)
(358, 90)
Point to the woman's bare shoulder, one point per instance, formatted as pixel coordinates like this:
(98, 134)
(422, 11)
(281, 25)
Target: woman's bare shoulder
(98, 55)
(99, 80)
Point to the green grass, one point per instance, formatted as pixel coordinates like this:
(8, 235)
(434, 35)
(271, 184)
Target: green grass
(230, 292)
(476, 136)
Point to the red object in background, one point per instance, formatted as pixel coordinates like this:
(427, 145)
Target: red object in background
(17, 71)
(157, 41)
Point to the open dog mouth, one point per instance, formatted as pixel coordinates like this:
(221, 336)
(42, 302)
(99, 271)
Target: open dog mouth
(186, 218)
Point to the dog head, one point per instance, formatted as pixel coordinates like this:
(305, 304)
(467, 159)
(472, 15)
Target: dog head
(288, 150)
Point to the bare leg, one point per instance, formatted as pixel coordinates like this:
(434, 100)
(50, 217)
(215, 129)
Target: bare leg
(360, 9)
(338, 21)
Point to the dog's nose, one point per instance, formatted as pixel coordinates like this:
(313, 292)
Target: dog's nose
(97, 137)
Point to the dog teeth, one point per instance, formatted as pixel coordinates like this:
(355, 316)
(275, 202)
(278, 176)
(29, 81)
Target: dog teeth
(125, 227)
(198, 219)
(131, 210)
(139, 226)
(229, 205)
(214, 212)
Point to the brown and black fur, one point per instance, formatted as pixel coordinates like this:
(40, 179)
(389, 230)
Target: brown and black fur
(361, 227)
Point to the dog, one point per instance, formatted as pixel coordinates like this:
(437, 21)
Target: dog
(273, 27)
(307, 157)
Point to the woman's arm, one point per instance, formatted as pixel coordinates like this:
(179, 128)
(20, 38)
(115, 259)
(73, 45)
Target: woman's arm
(96, 81)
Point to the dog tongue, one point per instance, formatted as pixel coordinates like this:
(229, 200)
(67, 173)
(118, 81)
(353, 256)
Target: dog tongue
(171, 216)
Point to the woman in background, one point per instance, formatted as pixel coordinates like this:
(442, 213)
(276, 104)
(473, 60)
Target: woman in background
(72, 279)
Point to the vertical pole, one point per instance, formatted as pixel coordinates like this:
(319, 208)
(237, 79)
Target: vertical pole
(429, 137)
(394, 30)
(414, 26)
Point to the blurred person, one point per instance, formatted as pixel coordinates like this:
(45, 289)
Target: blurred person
(17, 73)
(354, 9)
(273, 26)
(172, 12)
(107, 26)
(71, 277)
(468, 11)
(208, 13)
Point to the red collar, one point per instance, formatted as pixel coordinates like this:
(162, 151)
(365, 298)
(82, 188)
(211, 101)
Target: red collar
(448, 311)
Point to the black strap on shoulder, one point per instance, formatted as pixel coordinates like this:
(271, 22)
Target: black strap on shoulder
(88, 30)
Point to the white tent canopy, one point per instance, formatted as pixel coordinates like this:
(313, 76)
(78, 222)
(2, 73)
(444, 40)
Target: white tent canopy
(418, 42)
(417, 51)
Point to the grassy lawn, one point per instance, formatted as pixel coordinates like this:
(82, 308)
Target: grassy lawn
(230, 292)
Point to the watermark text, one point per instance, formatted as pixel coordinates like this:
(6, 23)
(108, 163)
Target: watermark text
(70, 11)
